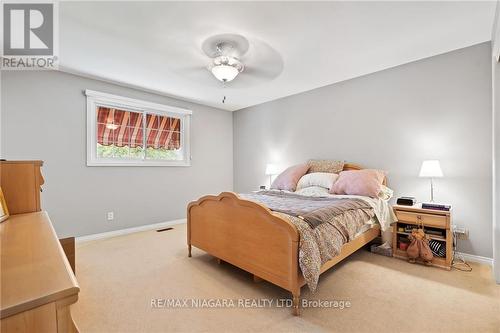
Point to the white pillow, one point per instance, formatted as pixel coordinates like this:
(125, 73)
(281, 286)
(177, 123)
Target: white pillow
(322, 179)
(313, 191)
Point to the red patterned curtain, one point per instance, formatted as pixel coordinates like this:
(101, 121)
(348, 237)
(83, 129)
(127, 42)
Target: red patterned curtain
(125, 128)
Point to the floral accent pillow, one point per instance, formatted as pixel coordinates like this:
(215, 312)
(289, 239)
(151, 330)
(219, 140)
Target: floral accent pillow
(329, 166)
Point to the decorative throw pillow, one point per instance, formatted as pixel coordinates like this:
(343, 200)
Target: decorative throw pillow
(322, 179)
(366, 182)
(329, 166)
(287, 180)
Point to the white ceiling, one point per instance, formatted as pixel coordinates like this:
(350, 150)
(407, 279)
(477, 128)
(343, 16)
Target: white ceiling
(151, 45)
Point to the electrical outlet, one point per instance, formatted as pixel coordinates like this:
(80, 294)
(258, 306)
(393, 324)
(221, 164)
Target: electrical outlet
(111, 216)
(461, 232)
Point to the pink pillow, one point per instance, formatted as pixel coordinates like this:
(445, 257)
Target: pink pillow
(366, 182)
(288, 179)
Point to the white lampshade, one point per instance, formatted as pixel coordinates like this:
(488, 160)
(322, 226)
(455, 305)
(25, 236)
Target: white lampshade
(431, 169)
(225, 73)
(272, 169)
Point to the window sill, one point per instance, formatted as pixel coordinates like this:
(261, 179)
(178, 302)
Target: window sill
(141, 164)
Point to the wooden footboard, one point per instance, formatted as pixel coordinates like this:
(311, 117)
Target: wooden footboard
(250, 236)
(247, 235)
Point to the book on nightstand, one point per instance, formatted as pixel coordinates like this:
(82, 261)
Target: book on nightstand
(436, 206)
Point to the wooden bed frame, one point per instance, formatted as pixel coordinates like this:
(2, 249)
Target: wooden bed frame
(248, 235)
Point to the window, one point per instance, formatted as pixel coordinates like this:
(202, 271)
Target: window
(123, 131)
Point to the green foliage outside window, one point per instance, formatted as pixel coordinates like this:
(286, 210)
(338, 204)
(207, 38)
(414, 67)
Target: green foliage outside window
(137, 153)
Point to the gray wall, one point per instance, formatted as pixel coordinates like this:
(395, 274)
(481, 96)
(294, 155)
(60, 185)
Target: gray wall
(496, 143)
(437, 108)
(496, 163)
(44, 117)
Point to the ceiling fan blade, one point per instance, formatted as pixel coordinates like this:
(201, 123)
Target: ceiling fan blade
(225, 44)
(199, 75)
(261, 73)
(262, 61)
(191, 69)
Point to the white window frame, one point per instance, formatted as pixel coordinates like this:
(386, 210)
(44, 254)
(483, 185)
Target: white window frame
(96, 99)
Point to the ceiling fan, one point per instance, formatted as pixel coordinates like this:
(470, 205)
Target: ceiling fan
(225, 52)
(232, 58)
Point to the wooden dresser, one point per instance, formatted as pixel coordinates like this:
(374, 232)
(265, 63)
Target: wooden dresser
(38, 285)
(21, 183)
(37, 282)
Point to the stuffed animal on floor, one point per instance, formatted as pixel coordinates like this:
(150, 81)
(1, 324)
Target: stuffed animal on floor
(419, 247)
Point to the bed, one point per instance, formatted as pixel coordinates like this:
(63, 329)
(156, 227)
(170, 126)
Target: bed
(265, 243)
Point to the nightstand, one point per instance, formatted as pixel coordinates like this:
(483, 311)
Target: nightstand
(437, 225)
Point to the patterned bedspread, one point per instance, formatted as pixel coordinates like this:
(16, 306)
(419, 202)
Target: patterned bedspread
(322, 241)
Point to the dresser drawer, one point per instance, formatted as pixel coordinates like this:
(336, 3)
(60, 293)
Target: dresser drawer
(439, 221)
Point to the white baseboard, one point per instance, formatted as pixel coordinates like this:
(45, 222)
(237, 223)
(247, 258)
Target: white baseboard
(474, 258)
(121, 232)
(126, 231)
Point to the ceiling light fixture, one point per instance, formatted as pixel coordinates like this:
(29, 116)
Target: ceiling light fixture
(226, 68)
(224, 73)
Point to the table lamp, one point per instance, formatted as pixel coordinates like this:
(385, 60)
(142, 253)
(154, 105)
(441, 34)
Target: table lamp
(431, 169)
(271, 170)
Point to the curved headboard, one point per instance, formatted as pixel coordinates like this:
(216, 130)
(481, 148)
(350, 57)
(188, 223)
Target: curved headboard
(351, 166)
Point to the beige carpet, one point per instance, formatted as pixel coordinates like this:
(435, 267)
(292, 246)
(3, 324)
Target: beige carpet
(119, 277)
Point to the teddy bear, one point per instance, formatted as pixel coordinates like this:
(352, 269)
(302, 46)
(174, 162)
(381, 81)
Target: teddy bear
(419, 247)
